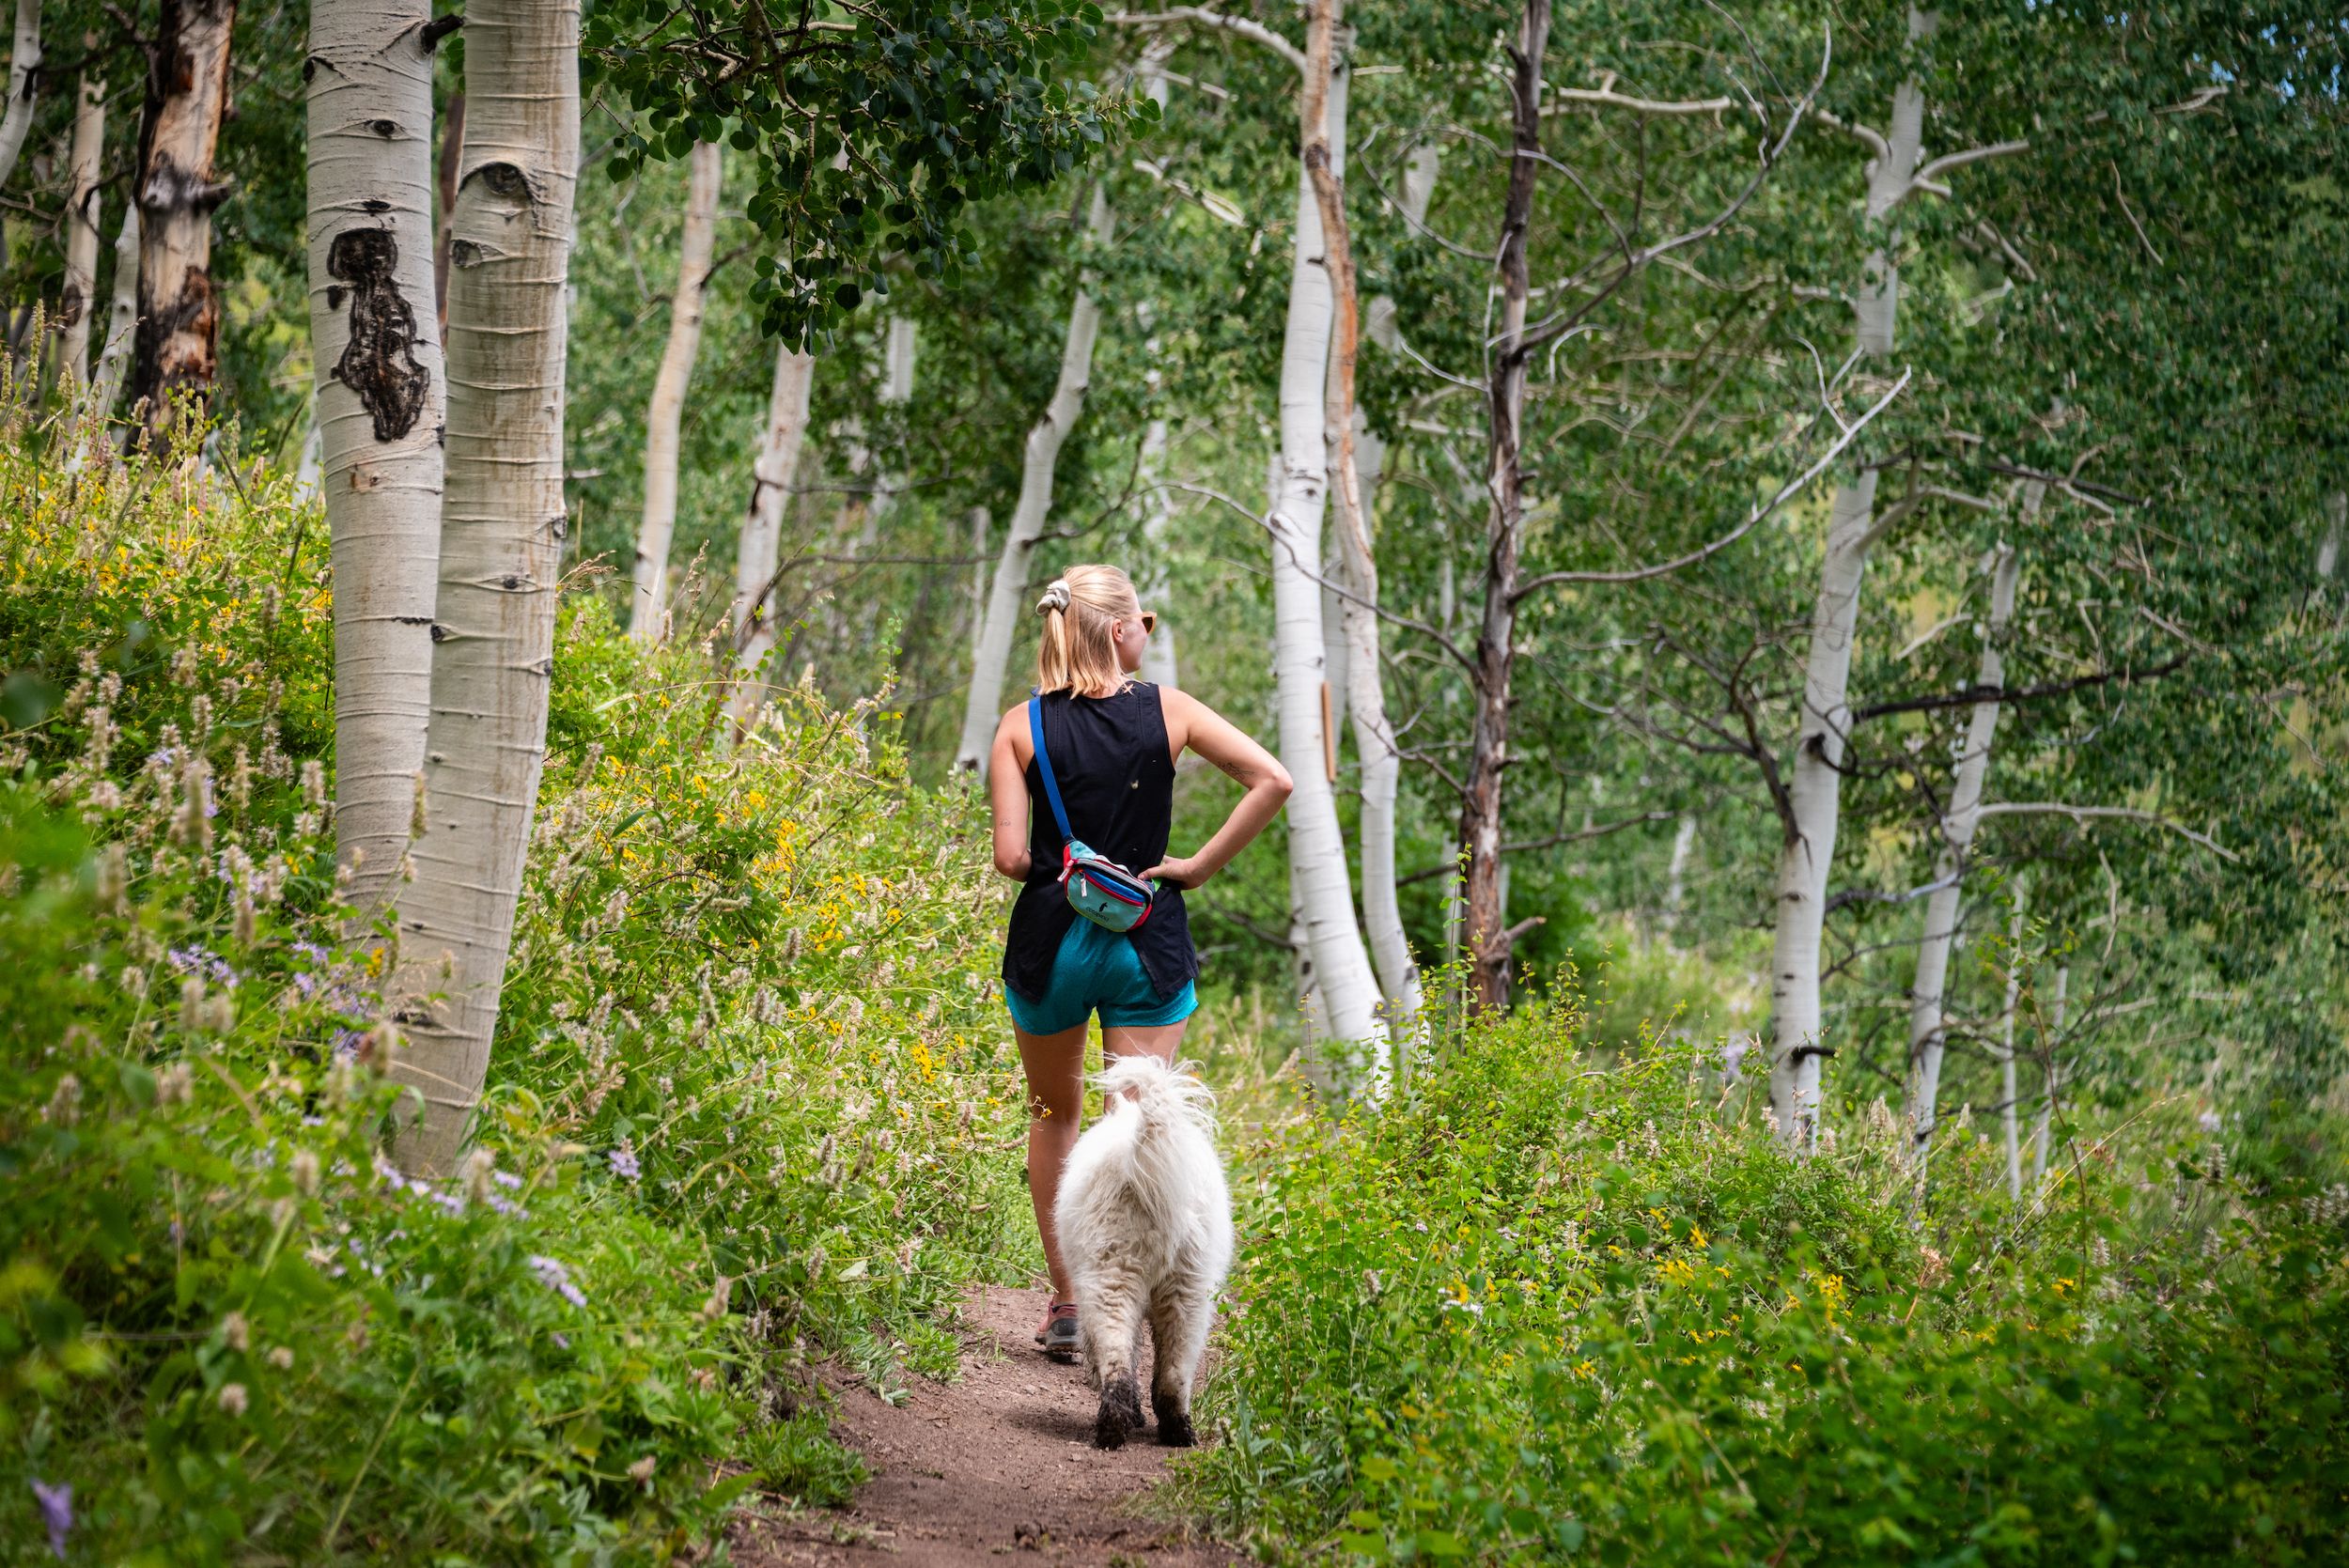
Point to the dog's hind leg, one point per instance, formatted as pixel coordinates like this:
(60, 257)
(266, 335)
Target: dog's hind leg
(1112, 1325)
(1179, 1317)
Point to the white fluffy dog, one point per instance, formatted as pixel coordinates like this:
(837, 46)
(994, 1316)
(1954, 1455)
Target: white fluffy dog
(1145, 1227)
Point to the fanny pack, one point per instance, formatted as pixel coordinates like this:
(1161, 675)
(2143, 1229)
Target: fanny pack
(1100, 889)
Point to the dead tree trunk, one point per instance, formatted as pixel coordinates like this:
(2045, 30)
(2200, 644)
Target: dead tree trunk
(1488, 939)
(177, 350)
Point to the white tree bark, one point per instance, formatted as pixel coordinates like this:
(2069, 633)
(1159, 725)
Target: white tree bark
(897, 369)
(649, 607)
(501, 549)
(2006, 1056)
(23, 86)
(981, 521)
(1006, 607)
(2058, 1009)
(1321, 890)
(122, 320)
(80, 301)
(378, 410)
(1676, 877)
(1158, 664)
(1927, 1023)
(773, 474)
(1381, 761)
(1815, 789)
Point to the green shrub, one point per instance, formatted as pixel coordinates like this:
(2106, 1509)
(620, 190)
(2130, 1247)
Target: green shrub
(1537, 1310)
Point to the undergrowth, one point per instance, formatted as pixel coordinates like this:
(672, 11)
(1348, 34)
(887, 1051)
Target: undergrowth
(1539, 1310)
(747, 1106)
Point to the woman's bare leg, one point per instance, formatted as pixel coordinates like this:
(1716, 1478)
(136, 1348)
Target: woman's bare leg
(1055, 1066)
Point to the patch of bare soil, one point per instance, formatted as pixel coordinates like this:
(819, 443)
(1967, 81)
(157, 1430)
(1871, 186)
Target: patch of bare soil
(998, 1466)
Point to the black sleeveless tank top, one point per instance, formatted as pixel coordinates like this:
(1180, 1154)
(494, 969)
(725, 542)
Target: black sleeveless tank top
(1109, 758)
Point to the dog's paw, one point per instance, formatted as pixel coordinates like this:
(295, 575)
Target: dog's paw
(1120, 1415)
(1174, 1422)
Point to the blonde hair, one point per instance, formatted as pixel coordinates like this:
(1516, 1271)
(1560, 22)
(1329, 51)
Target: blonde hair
(1078, 651)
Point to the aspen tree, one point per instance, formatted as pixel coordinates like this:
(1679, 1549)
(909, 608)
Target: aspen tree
(1355, 460)
(649, 607)
(1927, 1026)
(502, 526)
(79, 301)
(1006, 607)
(1815, 788)
(24, 55)
(376, 412)
(177, 347)
(760, 544)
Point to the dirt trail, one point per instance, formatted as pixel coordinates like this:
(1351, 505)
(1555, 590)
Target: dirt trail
(999, 1465)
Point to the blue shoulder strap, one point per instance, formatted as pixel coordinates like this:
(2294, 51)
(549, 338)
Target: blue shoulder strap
(1044, 765)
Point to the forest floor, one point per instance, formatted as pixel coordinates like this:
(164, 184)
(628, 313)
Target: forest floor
(999, 1463)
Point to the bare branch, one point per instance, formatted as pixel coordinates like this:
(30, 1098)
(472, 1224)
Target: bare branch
(1785, 492)
(1873, 140)
(1948, 161)
(1434, 633)
(1968, 697)
(1239, 26)
(2124, 814)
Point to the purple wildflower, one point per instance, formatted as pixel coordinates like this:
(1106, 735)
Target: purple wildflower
(557, 1278)
(506, 1178)
(563, 1339)
(312, 952)
(507, 1206)
(388, 1174)
(623, 1163)
(56, 1512)
(2209, 1120)
(347, 1044)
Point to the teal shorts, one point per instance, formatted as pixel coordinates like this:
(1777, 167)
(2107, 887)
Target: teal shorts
(1097, 971)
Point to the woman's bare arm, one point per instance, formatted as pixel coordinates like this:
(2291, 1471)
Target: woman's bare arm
(1191, 724)
(1008, 794)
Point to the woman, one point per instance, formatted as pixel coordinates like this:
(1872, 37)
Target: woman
(1113, 742)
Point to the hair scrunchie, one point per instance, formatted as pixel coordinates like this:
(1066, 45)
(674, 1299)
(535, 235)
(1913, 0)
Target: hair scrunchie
(1055, 598)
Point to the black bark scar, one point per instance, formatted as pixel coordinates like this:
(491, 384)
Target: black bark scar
(379, 362)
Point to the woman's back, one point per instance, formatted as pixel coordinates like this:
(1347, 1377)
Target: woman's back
(1111, 758)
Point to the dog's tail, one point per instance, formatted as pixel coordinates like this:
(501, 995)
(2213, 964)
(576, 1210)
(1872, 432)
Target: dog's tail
(1164, 1093)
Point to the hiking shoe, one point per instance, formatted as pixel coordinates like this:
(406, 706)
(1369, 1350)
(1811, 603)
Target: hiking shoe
(1060, 1335)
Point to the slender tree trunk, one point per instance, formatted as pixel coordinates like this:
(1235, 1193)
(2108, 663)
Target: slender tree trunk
(1796, 1049)
(80, 301)
(2058, 1009)
(776, 470)
(2006, 1057)
(1381, 765)
(501, 549)
(1488, 938)
(23, 86)
(187, 96)
(1006, 608)
(379, 407)
(1355, 459)
(122, 320)
(452, 160)
(1321, 891)
(982, 523)
(1927, 1023)
(1676, 877)
(1419, 188)
(1158, 664)
(650, 607)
